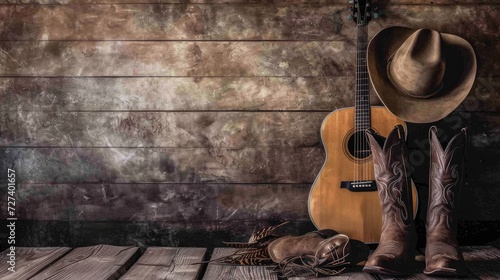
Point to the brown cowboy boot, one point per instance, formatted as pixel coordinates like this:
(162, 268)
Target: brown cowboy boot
(396, 250)
(442, 255)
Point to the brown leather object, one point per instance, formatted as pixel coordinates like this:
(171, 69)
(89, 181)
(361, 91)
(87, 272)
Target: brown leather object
(442, 254)
(306, 244)
(323, 252)
(305, 256)
(420, 75)
(325, 248)
(396, 250)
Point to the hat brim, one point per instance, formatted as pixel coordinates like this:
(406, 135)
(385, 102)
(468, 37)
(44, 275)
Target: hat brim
(458, 79)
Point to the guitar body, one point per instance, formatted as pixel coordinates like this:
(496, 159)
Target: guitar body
(357, 214)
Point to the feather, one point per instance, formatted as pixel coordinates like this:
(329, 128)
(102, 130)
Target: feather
(262, 234)
(247, 257)
(254, 252)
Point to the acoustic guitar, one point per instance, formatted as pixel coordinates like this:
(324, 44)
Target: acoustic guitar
(344, 195)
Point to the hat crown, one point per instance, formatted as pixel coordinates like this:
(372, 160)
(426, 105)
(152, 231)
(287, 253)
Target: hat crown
(417, 68)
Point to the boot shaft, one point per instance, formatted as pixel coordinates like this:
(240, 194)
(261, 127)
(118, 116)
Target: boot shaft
(445, 179)
(390, 158)
(395, 251)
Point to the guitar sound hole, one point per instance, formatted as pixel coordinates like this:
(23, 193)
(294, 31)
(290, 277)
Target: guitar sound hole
(358, 145)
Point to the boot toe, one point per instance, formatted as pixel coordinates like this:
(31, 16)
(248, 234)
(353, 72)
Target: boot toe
(442, 265)
(385, 264)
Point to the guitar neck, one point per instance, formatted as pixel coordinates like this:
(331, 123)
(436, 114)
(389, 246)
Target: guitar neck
(362, 95)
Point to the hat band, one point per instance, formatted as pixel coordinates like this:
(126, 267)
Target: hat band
(405, 91)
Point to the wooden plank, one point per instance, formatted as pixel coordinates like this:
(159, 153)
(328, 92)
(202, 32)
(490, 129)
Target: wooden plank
(188, 94)
(203, 202)
(179, 94)
(175, 58)
(29, 261)
(231, 130)
(233, 272)
(172, 22)
(197, 165)
(163, 202)
(250, 2)
(167, 263)
(231, 22)
(482, 261)
(92, 263)
(417, 271)
(165, 165)
(287, 2)
(349, 273)
(193, 59)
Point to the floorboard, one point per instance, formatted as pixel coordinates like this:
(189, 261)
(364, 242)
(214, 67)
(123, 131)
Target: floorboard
(167, 264)
(100, 262)
(29, 261)
(483, 261)
(235, 272)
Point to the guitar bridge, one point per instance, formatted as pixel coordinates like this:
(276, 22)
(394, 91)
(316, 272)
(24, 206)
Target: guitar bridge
(359, 186)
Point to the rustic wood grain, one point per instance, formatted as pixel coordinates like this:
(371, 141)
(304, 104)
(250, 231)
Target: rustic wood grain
(190, 94)
(163, 202)
(29, 261)
(250, 2)
(167, 263)
(197, 165)
(166, 165)
(233, 80)
(176, 58)
(231, 130)
(179, 93)
(173, 22)
(209, 93)
(346, 275)
(203, 202)
(416, 272)
(92, 263)
(235, 272)
(268, 2)
(232, 22)
(483, 261)
(193, 59)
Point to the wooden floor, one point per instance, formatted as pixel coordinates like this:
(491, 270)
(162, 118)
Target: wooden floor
(119, 262)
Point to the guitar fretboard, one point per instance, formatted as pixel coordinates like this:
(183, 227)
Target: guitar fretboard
(362, 96)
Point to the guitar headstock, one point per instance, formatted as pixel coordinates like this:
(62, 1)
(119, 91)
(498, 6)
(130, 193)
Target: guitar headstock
(362, 11)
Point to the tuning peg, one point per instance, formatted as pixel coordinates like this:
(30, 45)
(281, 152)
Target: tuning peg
(349, 17)
(351, 1)
(376, 15)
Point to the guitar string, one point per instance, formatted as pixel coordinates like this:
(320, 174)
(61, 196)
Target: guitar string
(362, 103)
(357, 110)
(365, 95)
(359, 98)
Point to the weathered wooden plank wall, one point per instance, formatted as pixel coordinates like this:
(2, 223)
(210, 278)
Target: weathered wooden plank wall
(157, 122)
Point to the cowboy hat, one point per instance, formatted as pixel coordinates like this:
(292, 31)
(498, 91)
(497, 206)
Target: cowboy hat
(420, 75)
